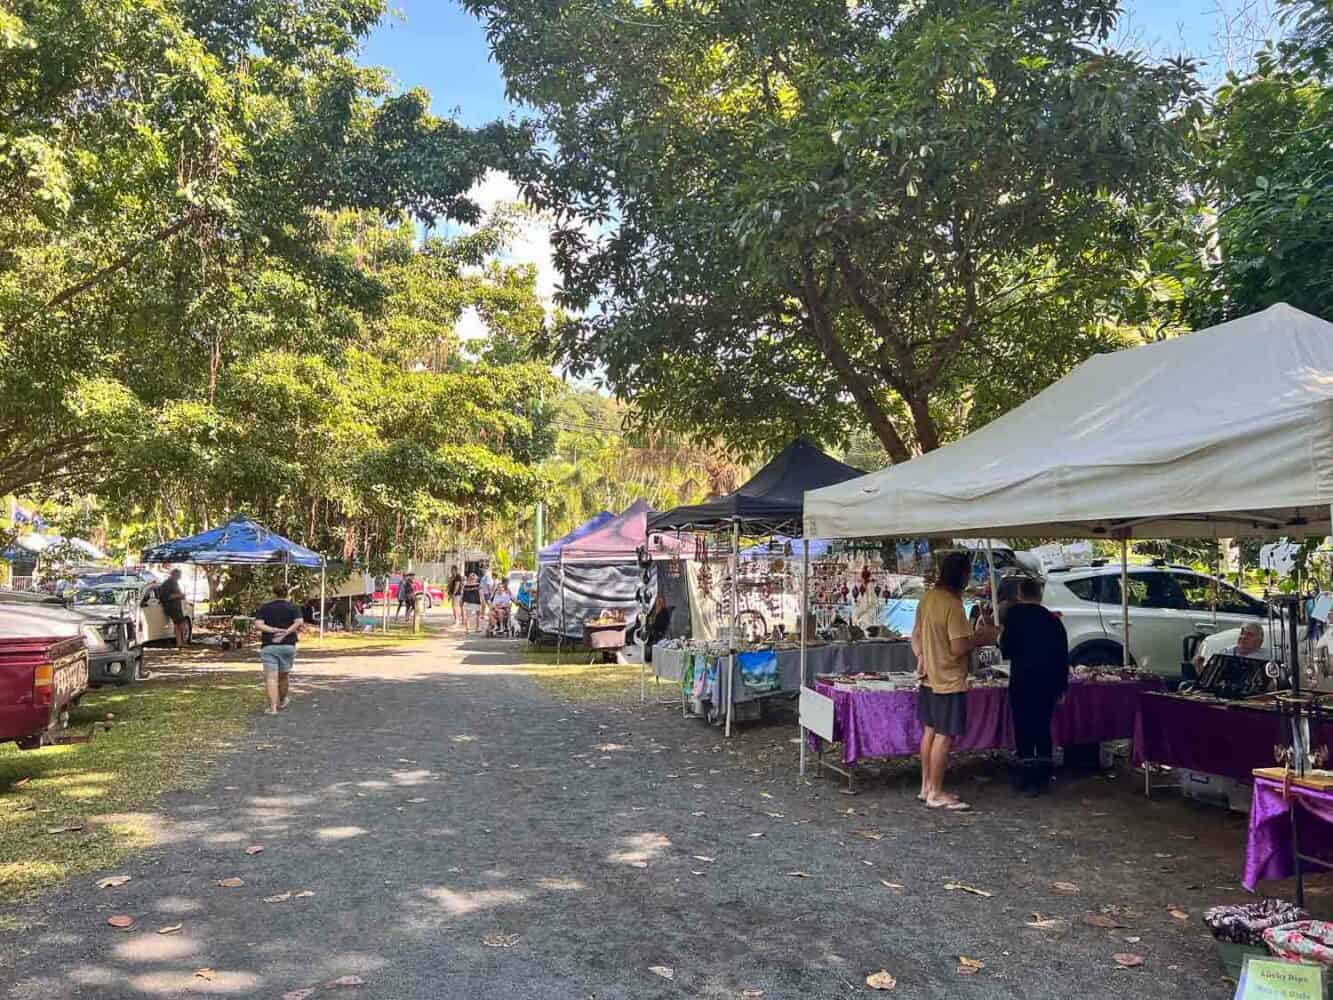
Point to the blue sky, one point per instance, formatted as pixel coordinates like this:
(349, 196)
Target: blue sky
(436, 45)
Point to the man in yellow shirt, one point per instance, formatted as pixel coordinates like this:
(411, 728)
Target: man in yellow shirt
(943, 640)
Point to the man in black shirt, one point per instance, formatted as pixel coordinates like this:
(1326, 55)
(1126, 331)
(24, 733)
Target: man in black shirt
(1037, 648)
(171, 596)
(279, 623)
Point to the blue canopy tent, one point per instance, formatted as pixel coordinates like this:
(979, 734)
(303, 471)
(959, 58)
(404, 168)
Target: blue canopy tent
(242, 541)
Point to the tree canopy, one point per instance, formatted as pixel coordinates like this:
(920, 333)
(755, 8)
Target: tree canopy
(789, 216)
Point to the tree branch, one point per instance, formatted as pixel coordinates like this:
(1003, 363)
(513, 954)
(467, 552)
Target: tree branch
(821, 326)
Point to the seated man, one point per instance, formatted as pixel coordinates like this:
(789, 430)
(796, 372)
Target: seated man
(1249, 643)
(500, 602)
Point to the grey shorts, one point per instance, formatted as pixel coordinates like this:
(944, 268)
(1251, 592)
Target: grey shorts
(944, 713)
(277, 657)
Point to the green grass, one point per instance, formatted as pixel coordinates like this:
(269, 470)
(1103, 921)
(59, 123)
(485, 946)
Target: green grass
(580, 681)
(166, 735)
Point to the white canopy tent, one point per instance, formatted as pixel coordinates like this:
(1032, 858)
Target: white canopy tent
(1228, 431)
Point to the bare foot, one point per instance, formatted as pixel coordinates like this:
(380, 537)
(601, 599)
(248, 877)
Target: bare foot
(270, 711)
(285, 703)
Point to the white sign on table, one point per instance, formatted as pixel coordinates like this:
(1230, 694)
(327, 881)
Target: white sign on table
(817, 713)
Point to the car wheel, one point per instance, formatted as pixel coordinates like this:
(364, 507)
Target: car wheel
(1097, 654)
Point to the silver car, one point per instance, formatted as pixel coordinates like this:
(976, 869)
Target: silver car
(1167, 604)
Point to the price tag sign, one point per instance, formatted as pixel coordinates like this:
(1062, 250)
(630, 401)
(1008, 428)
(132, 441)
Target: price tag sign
(1270, 979)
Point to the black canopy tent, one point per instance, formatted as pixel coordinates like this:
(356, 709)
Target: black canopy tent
(771, 502)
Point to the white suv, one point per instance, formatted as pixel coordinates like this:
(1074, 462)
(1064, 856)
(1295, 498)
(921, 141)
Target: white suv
(1166, 605)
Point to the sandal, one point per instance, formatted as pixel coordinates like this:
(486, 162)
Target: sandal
(950, 805)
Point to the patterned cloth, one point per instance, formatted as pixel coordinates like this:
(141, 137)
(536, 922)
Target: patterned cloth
(1245, 923)
(1305, 941)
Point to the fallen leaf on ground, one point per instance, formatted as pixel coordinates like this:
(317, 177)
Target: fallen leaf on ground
(121, 921)
(500, 940)
(703, 857)
(969, 966)
(303, 894)
(345, 981)
(112, 881)
(698, 873)
(204, 973)
(638, 864)
(170, 929)
(759, 834)
(255, 849)
(1185, 836)
(1045, 923)
(72, 828)
(752, 992)
(230, 883)
(1127, 960)
(896, 887)
(1102, 921)
(281, 897)
(1068, 887)
(417, 801)
(775, 815)
(961, 887)
(304, 994)
(868, 834)
(1179, 914)
(1133, 940)
(665, 971)
(881, 980)
(798, 875)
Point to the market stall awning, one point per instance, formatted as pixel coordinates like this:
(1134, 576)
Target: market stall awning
(241, 542)
(621, 538)
(773, 499)
(551, 553)
(1228, 430)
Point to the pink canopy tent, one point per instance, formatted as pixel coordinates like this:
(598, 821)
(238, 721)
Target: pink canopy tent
(621, 538)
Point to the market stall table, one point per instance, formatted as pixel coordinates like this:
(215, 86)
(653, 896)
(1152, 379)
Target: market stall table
(1226, 738)
(871, 724)
(1271, 850)
(878, 655)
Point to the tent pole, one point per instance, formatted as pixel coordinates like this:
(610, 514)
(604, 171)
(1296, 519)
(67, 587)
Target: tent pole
(735, 614)
(1124, 601)
(560, 639)
(994, 584)
(1212, 589)
(805, 603)
(322, 580)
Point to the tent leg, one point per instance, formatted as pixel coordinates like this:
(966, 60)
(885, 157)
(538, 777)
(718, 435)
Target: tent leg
(1124, 602)
(735, 618)
(560, 639)
(323, 566)
(805, 602)
(994, 584)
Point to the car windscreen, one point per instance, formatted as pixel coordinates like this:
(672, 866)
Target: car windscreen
(103, 596)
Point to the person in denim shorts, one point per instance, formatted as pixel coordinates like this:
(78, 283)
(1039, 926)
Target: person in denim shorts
(279, 623)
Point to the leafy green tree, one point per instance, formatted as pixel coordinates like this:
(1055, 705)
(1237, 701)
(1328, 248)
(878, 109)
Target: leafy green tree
(783, 216)
(1263, 197)
(166, 174)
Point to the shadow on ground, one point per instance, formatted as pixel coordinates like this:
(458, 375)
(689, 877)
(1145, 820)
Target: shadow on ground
(436, 826)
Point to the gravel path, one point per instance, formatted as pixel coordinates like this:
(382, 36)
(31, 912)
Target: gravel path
(437, 804)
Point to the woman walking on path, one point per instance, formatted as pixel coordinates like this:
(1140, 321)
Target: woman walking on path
(456, 594)
(471, 602)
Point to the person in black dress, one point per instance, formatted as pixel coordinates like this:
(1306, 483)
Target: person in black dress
(1037, 648)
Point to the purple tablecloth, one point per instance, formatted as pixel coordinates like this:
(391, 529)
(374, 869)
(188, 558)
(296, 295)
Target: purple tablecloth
(883, 723)
(1268, 852)
(1226, 739)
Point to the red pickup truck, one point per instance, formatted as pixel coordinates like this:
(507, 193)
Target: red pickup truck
(43, 668)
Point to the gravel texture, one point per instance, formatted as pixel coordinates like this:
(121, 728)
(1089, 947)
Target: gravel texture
(464, 834)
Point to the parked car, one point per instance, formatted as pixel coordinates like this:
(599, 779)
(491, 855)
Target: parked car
(43, 667)
(434, 592)
(138, 597)
(1167, 604)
